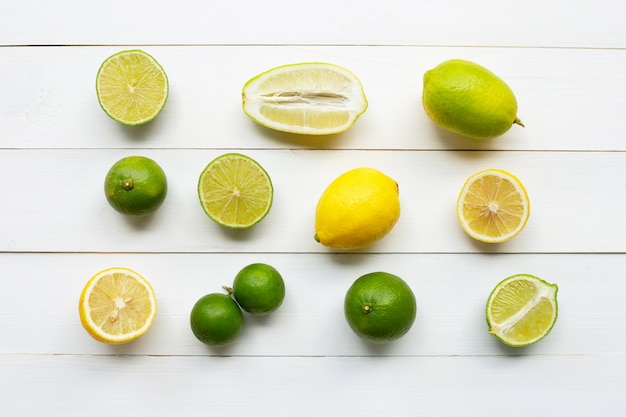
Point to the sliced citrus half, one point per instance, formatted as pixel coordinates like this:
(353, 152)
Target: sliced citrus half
(493, 206)
(132, 87)
(117, 305)
(235, 191)
(522, 309)
(312, 98)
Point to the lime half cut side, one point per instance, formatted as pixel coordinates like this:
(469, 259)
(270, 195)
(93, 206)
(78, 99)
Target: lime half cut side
(522, 310)
(132, 87)
(235, 191)
(311, 98)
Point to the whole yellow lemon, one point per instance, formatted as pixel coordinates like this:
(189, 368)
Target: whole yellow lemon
(469, 100)
(357, 209)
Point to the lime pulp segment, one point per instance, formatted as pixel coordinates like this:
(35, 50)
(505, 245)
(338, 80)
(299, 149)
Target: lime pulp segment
(235, 191)
(522, 310)
(132, 87)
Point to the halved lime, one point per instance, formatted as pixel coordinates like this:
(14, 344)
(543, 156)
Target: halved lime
(132, 87)
(313, 98)
(235, 191)
(522, 309)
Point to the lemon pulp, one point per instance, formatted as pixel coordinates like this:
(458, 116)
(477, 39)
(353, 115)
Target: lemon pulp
(493, 206)
(313, 98)
(117, 305)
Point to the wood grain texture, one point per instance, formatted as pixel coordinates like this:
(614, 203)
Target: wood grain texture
(235, 386)
(568, 191)
(563, 59)
(451, 292)
(578, 23)
(569, 99)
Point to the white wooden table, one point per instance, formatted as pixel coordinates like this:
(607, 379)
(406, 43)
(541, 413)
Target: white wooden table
(565, 61)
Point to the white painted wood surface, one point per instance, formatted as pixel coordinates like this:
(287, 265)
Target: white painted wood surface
(566, 62)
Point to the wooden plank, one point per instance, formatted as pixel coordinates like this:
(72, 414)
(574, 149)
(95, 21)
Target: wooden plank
(39, 297)
(59, 203)
(235, 386)
(569, 99)
(582, 23)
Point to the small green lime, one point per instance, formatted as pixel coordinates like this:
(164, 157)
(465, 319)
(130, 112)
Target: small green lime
(380, 307)
(469, 100)
(216, 319)
(135, 186)
(259, 288)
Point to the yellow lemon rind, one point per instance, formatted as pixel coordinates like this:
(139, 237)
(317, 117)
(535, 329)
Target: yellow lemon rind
(357, 209)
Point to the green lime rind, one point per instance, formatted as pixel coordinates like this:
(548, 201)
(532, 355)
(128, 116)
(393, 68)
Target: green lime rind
(380, 307)
(121, 119)
(136, 186)
(215, 216)
(216, 319)
(550, 291)
(259, 289)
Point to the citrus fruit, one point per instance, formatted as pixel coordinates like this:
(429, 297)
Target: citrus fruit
(469, 100)
(216, 319)
(259, 288)
(117, 305)
(132, 87)
(312, 98)
(380, 307)
(357, 209)
(522, 309)
(235, 191)
(493, 206)
(135, 186)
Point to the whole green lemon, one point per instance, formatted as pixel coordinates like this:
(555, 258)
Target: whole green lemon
(469, 100)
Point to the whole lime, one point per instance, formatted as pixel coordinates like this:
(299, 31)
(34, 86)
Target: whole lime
(467, 99)
(380, 307)
(216, 319)
(135, 186)
(259, 288)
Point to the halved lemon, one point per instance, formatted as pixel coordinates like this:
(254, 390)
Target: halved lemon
(235, 191)
(312, 98)
(493, 206)
(117, 305)
(132, 87)
(522, 309)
